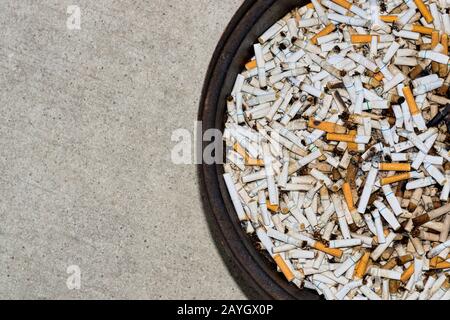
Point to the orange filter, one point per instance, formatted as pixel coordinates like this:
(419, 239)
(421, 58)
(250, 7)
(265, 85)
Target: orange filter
(329, 127)
(361, 267)
(395, 167)
(250, 65)
(361, 38)
(272, 207)
(331, 251)
(283, 267)
(424, 10)
(340, 137)
(412, 105)
(327, 30)
(395, 178)
(343, 3)
(348, 195)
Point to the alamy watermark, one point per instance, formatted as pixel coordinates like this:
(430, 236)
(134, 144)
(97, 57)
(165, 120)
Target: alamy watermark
(208, 147)
(189, 145)
(73, 281)
(73, 22)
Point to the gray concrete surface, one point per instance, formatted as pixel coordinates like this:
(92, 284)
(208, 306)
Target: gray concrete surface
(85, 127)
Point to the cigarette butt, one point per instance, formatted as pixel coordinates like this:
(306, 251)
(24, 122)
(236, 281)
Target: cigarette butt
(309, 130)
(420, 220)
(389, 18)
(283, 267)
(250, 65)
(297, 15)
(347, 138)
(394, 285)
(254, 162)
(248, 161)
(375, 238)
(331, 251)
(395, 167)
(378, 76)
(343, 3)
(272, 207)
(341, 137)
(352, 146)
(434, 261)
(443, 90)
(329, 127)
(444, 42)
(434, 39)
(443, 69)
(407, 273)
(394, 178)
(348, 195)
(390, 264)
(434, 43)
(361, 38)
(415, 72)
(374, 82)
(439, 263)
(239, 149)
(327, 30)
(412, 105)
(424, 10)
(404, 259)
(443, 265)
(422, 29)
(361, 267)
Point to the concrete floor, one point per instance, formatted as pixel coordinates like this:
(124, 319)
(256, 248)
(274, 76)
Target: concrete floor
(85, 140)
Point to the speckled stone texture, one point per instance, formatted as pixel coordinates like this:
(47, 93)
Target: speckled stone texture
(85, 140)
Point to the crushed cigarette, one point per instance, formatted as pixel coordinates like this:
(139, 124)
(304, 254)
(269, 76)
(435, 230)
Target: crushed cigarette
(337, 148)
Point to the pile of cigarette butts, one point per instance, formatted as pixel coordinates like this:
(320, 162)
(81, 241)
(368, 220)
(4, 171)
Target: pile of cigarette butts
(336, 141)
